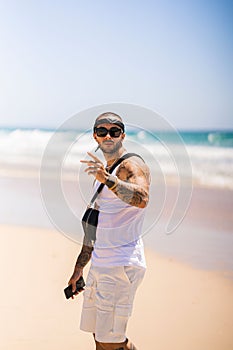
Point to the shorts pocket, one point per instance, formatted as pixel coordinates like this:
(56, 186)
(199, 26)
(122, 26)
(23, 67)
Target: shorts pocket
(122, 313)
(88, 317)
(134, 274)
(104, 323)
(89, 295)
(105, 296)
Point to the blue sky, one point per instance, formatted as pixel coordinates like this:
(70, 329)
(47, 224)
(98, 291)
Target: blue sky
(61, 57)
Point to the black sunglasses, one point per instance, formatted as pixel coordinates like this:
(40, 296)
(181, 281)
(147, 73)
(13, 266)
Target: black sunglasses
(113, 132)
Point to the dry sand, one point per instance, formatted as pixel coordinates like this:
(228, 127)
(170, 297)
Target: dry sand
(177, 307)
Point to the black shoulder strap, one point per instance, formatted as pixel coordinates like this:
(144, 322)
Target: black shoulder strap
(101, 186)
(127, 155)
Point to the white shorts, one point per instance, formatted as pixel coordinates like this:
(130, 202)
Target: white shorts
(108, 301)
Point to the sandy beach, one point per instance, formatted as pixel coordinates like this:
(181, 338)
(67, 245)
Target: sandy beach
(185, 301)
(177, 306)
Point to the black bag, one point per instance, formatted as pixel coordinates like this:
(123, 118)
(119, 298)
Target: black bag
(91, 215)
(89, 223)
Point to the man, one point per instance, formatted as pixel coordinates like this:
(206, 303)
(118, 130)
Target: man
(117, 258)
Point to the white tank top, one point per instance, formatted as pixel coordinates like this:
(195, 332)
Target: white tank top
(118, 236)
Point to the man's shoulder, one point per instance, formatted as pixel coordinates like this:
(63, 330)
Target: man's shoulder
(135, 164)
(132, 155)
(134, 159)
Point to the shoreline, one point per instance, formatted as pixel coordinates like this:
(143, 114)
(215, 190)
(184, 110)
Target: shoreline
(33, 173)
(203, 239)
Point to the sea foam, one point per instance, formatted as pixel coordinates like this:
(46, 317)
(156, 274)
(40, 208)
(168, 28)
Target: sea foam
(210, 153)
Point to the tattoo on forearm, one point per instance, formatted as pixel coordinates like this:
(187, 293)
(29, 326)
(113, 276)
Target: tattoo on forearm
(84, 256)
(131, 193)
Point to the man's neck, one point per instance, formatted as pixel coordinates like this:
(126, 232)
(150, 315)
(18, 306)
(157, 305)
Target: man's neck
(113, 157)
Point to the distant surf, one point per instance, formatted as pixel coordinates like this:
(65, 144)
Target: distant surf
(210, 152)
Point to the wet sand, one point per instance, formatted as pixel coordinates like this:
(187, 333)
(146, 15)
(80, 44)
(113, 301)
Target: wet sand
(204, 238)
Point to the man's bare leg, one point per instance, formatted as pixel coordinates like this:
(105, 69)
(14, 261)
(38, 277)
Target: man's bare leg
(97, 344)
(130, 345)
(126, 345)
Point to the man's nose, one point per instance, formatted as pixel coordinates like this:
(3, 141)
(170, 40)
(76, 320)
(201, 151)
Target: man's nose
(108, 137)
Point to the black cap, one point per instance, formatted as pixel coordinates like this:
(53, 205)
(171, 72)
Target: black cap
(109, 120)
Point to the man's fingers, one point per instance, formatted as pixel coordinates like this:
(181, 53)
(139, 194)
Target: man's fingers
(94, 166)
(91, 168)
(96, 159)
(73, 287)
(92, 172)
(89, 161)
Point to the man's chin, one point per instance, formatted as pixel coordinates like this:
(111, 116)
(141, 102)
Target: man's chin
(108, 149)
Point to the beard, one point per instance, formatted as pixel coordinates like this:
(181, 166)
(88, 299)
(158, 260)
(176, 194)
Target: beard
(112, 150)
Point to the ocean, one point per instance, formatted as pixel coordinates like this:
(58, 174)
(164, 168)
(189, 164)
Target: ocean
(210, 153)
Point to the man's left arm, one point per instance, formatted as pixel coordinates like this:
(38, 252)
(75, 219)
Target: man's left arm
(131, 183)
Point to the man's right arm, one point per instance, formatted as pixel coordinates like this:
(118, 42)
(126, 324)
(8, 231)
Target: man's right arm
(83, 258)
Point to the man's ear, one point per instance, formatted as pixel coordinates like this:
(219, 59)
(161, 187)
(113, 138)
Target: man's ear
(123, 136)
(94, 136)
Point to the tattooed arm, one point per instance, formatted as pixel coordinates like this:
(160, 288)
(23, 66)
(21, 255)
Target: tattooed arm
(83, 259)
(132, 183)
